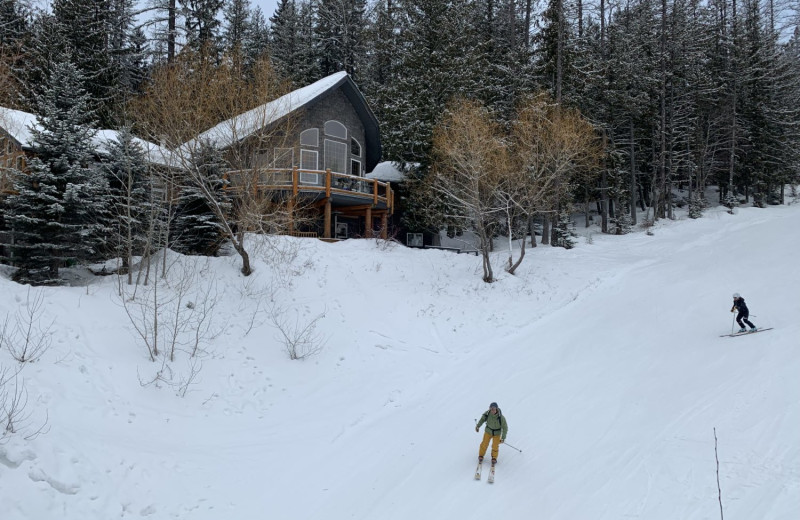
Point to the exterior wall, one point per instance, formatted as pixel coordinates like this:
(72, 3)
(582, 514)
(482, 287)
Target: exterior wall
(11, 156)
(333, 107)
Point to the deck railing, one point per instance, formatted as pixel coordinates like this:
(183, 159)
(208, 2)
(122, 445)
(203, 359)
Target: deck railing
(309, 181)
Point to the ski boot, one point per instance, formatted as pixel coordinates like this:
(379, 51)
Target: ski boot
(743, 329)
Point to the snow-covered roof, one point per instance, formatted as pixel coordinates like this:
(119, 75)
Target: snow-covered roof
(389, 171)
(18, 125)
(242, 126)
(239, 127)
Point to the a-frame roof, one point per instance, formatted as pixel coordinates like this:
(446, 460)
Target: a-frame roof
(244, 125)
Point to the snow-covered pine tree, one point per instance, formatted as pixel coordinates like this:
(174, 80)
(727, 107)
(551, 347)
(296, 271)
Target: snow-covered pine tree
(340, 33)
(203, 24)
(236, 14)
(131, 191)
(196, 228)
(84, 31)
(564, 231)
(59, 213)
(256, 38)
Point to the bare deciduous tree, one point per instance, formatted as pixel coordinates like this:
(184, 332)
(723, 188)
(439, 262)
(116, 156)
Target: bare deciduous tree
(27, 338)
(470, 161)
(192, 97)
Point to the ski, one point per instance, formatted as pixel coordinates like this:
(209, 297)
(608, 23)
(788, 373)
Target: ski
(490, 480)
(747, 333)
(478, 470)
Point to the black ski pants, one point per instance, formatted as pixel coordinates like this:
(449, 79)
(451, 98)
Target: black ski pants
(742, 317)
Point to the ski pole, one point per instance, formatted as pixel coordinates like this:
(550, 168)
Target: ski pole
(732, 322)
(512, 447)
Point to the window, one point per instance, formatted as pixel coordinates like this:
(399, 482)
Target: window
(308, 159)
(335, 156)
(355, 167)
(309, 137)
(355, 148)
(284, 158)
(335, 129)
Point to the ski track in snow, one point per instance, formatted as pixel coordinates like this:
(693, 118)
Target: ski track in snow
(605, 359)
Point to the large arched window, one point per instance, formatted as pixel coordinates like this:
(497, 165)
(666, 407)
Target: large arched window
(335, 129)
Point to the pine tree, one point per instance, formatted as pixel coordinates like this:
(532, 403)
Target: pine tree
(340, 35)
(292, 44)
(130, 194)
(202, 26)
(237, 21)
(60, 210)
(84, 32)
(256, 38)
(197, 231)
(564, 231)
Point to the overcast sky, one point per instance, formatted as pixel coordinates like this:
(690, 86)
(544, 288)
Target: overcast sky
(267, 6)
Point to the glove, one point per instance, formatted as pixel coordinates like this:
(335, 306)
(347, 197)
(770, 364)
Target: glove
(502, 441)
(477, 428)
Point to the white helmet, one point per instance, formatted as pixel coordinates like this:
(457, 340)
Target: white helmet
(737, 295)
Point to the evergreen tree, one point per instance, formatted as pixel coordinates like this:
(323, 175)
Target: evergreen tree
(237, 25)
(340, 35)
(59, 213)
(256, 38)
(85, 34)
(130, 195)
(196, 229)
(201, 18)
(292, 42)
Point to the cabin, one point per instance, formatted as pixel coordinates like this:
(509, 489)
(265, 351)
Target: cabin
(312, 147)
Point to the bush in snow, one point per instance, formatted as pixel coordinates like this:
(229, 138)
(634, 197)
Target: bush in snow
(696, 207)
(565, 231)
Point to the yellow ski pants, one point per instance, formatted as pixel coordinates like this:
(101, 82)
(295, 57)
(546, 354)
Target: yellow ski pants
(485, 444)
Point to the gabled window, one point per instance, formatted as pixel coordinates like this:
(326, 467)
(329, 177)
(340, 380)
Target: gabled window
(355, 147)
(309, 137)
(335, 129)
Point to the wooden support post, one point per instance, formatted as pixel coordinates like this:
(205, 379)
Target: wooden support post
(375, 191)
(384, 225)
(328, 185)
(295, 181)
(327, 231)
(291, 215)
(369, 223)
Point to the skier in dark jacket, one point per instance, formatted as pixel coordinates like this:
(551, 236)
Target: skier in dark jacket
(744, 313)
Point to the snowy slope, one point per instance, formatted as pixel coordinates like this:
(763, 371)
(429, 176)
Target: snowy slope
(606, 360)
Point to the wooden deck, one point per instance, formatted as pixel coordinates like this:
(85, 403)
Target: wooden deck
(345, 194)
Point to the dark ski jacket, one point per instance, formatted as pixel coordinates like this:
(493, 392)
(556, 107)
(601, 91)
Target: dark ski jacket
(495, 424)
(740, 306)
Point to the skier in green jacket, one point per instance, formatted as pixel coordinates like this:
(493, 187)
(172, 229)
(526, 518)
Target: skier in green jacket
(496, 430)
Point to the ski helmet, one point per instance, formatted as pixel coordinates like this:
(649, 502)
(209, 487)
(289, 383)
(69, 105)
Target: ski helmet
(493, 405)
(737, 295)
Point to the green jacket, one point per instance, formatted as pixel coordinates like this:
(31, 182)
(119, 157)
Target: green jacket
(495, 423)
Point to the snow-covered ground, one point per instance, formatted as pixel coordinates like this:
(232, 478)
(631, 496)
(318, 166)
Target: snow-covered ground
(606, 360)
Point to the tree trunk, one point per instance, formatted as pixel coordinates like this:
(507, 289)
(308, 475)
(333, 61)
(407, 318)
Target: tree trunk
(171, 31)
(633, 188)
